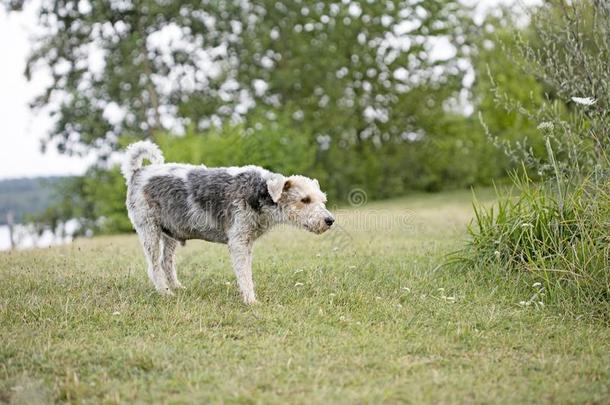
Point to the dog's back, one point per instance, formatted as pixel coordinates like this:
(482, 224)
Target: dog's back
(187, 201)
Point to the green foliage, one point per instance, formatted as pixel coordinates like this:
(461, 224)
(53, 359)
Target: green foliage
(557, 229)
(96, 200)
(504, 91)
(276, 146)
(565, 50)
(103, 188)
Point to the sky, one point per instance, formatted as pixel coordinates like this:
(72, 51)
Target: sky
(21, 131)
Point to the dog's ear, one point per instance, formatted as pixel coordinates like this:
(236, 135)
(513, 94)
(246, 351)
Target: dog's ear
(276, 186)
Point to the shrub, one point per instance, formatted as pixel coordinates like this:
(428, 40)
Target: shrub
(560, 241)
(557, 228)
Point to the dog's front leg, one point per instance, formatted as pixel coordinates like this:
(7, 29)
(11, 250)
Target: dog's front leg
(241, 257)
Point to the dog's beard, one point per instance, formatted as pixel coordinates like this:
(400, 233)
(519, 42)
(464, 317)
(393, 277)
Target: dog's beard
(318, 229)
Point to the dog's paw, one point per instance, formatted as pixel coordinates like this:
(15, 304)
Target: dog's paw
(250, 300)
(165, 291)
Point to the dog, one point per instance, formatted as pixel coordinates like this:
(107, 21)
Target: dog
(169, 203)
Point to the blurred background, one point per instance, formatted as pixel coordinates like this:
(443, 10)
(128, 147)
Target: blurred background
(385, 96)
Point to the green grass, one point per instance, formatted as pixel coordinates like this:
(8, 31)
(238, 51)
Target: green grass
(354, 316)
(558, 238)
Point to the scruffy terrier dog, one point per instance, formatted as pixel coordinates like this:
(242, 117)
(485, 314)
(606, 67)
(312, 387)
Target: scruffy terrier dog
(171, 203)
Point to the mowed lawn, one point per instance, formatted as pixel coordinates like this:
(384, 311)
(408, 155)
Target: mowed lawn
(362, 314)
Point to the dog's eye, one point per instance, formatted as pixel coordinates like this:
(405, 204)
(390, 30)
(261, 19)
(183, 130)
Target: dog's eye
(306, 200)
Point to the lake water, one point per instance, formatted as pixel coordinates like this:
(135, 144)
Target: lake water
(25, 238)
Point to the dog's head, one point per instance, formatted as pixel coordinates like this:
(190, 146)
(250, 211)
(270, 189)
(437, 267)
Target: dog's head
(301, 202)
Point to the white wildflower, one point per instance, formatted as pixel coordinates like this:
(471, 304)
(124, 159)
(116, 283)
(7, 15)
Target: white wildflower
(115, 313)
(537, 285)
(297, 284)
(398, 306)
(527, 225)
(584, 100)
(497, 253)
(545, 125)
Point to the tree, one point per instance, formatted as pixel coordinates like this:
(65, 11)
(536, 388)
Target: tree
(503, 88)
(357, 70)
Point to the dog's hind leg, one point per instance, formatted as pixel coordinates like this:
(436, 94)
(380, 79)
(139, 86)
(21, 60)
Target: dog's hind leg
(150, 237)
(168, 262)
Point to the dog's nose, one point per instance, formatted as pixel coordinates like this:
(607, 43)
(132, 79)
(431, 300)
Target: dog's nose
(329, 220)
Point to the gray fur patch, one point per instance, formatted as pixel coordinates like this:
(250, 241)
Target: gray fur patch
(202, 207)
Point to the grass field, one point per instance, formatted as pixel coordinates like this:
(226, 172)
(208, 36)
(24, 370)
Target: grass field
(362, 314)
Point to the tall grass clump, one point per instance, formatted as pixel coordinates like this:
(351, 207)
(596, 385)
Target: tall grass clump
(554, 224)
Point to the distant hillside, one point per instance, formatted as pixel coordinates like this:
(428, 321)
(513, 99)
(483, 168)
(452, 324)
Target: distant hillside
(25, 196)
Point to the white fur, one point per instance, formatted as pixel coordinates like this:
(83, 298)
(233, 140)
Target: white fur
(135, 155)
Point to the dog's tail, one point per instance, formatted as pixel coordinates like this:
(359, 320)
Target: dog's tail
(135, 155)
